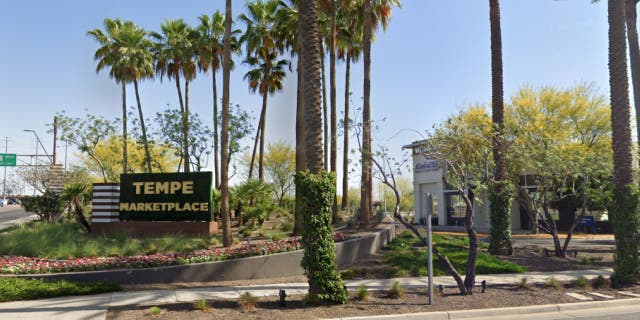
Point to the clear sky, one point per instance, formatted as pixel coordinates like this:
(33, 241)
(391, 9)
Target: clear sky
(433, 60)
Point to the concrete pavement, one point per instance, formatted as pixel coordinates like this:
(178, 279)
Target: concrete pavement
(14, 215)
(95, 307)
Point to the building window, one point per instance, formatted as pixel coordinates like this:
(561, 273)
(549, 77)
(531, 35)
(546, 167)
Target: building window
(456, 207)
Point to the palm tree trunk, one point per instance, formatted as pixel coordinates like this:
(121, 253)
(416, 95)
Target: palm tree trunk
(631, 17)
(312, 96)
(179, 94)
(500, 211)
(263, 120)
(124, 129)
(625, 220)
(145, 141)
(345, 148)
(216, 158)
(227, 239)
(255, 147)
(185, 127)
(325, 113)
(365, 181)
(300, 148)
(332, 87)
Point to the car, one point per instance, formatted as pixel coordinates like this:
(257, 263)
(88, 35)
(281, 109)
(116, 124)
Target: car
(13, 201)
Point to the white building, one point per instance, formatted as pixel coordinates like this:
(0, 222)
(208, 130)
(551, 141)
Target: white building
(448, 206)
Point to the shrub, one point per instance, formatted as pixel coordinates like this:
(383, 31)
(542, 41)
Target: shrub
(286, 226)
(589, 260)
(48, 206)
(396, 291)
(319, 260)
(155, 311)
(524, 284)
(599, 282)
(554, 283)
(581, 282)
(248, 302)
(12, 289)
(201, 305)
(362, 294)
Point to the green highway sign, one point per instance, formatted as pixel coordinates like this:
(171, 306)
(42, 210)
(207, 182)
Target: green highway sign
(7, 159)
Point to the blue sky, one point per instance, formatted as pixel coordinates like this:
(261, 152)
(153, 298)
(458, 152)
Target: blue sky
(433, 60)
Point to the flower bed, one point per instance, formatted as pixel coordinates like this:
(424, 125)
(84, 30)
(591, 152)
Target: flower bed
(29, 265)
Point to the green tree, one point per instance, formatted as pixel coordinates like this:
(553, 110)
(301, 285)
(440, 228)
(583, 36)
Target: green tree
(87, 134)
(264, 45)
(75, 196)
(500, 207)
(625, 215)
(227, 239)
(316, 187)
(210, 49)
(126, 48)
(349, 47)
(561, 140)
(175, 52)
(170, 131)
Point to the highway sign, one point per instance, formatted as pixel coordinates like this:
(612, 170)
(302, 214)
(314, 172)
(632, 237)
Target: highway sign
(7, 159)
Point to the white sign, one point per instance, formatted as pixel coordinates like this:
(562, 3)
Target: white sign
(427, 165)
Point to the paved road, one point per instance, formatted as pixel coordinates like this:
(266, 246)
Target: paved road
(8, 213)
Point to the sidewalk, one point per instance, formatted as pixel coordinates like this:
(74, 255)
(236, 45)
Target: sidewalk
(95, 307)
(19, 221)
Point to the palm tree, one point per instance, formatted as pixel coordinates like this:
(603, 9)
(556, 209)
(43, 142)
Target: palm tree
(210, 49)
(138, 65)
(266, 77)
(227, 239)
(109, 55)
(625, 213)
(631, 17)
(74, 195)
(500, 212)
(349, 47)
(175, 52)
(264, 43)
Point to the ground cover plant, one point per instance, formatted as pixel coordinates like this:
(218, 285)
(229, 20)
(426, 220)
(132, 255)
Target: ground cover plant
(406, 256)
(12, 289)
(65, 235)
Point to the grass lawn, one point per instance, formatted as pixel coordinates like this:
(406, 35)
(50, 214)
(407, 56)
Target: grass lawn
(12, 289)
(67, 240)
(406, 256)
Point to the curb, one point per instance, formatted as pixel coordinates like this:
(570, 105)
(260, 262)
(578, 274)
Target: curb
(493, 312)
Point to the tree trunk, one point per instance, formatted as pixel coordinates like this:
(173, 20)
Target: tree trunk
(624, 216)
(227, 240)
(185, 127)
(216, 143)
(325, 113)
(500, 234)
(470, 268)
(255, 147)
(311, 90)
(80, 215)
(332, 93)
(263, 123)
(124, 129)
(300, 156)
(145, 141)
(631, 17)
(366, 185)
(345, 148)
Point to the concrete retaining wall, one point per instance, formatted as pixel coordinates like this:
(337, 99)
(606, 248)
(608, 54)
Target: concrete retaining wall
(259, 267)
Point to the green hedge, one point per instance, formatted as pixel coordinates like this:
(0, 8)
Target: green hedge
(625, 217)
(319, 260)
(500, 218)
(12, 289)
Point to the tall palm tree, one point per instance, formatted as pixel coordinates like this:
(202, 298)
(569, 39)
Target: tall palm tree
(109, 55)
(138, 65)
(631, 16)
(500, 212)
(366, 183)
(266, 77)
(210, 50)
(174, 54)
(349, 48)
(227, 239)
(264, 43)
(625, 214)
(126, 48)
